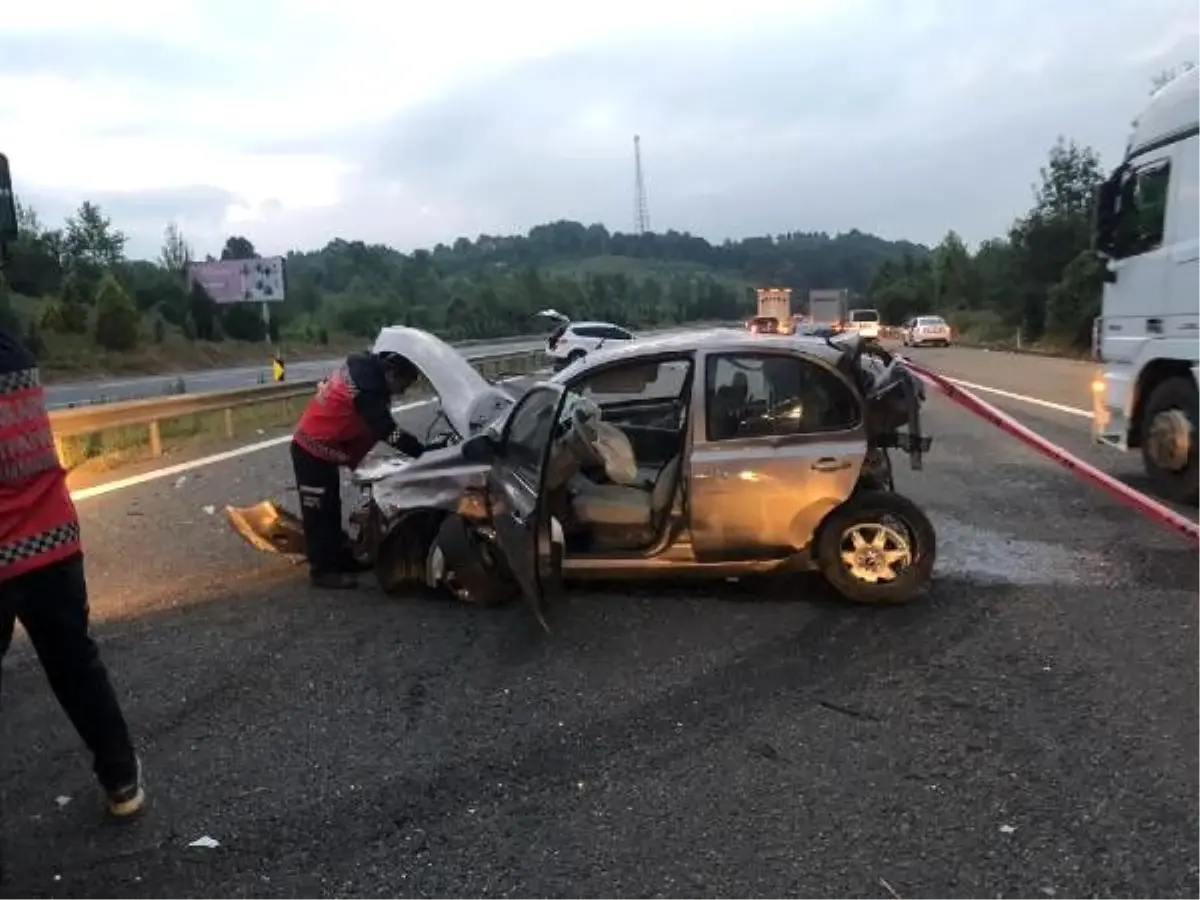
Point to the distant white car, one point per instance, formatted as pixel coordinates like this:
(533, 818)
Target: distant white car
(926, 330)
(572, 341)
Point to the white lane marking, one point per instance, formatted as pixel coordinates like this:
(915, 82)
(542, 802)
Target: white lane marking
(1057, 407)
(155, 474)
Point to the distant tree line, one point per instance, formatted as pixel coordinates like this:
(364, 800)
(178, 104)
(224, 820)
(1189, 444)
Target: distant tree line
(490, 286)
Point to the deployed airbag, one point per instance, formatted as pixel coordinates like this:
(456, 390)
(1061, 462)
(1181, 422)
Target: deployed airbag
(620, 465)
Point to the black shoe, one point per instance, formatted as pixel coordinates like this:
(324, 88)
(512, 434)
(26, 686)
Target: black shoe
(334, 581)
(127, 801)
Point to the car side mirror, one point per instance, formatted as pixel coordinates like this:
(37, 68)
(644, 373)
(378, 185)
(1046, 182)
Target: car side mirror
(8, 209)
(481, 448)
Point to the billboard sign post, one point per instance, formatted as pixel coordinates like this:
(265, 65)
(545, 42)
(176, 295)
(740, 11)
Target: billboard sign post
(241, 281)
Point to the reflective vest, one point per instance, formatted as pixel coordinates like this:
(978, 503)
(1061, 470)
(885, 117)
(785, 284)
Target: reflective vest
(38, 522)
(330, 427)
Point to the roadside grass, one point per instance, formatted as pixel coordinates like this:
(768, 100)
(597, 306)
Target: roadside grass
(985, 330)
(87, 455)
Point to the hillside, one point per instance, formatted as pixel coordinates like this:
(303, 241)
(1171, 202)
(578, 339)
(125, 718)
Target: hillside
(86, 308)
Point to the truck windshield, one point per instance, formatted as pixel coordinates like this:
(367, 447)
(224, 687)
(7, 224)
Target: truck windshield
(864, 315)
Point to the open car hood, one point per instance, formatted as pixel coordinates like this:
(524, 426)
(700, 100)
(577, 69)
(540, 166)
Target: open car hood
(469, 402)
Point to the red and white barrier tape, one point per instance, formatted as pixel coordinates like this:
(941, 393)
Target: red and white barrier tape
(1122, 492)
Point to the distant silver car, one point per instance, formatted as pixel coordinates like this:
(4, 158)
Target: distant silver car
(716, 454)
(925, 330)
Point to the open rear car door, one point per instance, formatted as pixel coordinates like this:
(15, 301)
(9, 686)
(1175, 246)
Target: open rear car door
(527, 535)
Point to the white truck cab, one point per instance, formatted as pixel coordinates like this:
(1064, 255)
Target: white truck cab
(1148, 335)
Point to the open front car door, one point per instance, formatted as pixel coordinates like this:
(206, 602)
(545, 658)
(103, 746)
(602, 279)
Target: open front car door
(527, 535)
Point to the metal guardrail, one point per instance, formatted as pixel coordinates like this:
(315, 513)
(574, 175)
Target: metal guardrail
(151, 412)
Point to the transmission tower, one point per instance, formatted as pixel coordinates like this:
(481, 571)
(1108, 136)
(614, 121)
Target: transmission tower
(641, 213)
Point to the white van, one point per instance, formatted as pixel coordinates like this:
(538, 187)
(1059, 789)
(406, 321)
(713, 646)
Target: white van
(1148, 336)
(865, 322)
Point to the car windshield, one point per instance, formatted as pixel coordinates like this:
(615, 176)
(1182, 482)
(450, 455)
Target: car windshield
(931, 320)
(864, 315)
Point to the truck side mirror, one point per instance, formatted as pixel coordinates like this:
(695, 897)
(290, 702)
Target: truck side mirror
(8, 209)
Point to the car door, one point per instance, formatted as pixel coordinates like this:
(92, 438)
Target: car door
(527, 535)
(778, 442)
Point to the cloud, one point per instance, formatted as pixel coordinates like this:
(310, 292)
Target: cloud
(415, 125)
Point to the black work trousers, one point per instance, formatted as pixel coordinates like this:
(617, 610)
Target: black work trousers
(51, 604)
(320, 486)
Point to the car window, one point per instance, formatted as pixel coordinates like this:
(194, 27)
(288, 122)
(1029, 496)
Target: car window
(635, 382)
(932, 320)
(589, 331)
(864, 315)
(771, 395)
(1143, 212)
(528, 431)
(612, 332)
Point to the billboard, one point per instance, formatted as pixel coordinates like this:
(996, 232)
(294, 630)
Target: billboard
(240, 280)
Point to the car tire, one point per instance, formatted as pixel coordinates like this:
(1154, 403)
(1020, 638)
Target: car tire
(480, 580)
(1180, 486)
(905, 527)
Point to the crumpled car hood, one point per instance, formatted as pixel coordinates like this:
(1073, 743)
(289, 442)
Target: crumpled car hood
(468, 401)
(436, 480)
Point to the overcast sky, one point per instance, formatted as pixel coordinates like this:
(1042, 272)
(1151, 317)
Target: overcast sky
(296, 121)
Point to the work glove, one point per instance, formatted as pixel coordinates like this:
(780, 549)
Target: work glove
(405, 443)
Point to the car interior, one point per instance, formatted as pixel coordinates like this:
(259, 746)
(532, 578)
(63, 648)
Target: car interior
(613, 478)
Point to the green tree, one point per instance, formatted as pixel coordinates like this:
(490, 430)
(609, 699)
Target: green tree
(91, 240)
(238, 247)
(116, 316)
(176, 253)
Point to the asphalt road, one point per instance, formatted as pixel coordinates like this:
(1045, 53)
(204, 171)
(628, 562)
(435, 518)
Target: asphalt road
(1029, 729)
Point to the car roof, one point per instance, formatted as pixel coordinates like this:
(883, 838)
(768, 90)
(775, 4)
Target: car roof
(597, 325)
(725, 340)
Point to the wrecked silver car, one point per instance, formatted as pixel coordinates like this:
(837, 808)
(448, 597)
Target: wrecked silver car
(712, 453)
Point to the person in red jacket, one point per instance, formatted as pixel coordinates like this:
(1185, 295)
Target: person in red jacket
(42, 581)
(350, 414)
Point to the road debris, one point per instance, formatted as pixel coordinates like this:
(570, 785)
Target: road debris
(206, 843)
(887, 887)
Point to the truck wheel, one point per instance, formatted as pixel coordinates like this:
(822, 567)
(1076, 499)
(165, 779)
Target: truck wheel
(878, 547)
(1169, 446)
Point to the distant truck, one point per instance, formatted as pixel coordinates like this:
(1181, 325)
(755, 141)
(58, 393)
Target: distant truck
(829, 307)
(776, 303)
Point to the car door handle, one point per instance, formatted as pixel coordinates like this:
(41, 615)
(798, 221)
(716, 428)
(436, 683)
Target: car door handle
(830, 464)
